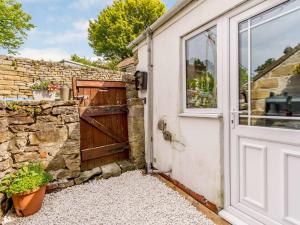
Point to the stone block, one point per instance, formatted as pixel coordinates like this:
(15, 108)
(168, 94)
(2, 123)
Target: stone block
(86, 175)
(70, 118)
(110, 170)
(21, 120)
(3, 124)
(68, 174)
(4, 165)
(282, 71)
(5, 136)
(125, 166)
(50, 134)
(260, 94)
(65, 110)
(56, 163)
(70, 147)
(72, 161)
(74, 131)
(65, 183)
(267, 83)
(26, 157)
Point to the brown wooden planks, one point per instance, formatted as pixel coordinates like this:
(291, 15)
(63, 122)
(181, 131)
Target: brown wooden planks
(103, 122)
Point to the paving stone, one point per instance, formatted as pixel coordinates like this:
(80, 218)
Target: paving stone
(86, 175)
(125, 166)
(111, 170)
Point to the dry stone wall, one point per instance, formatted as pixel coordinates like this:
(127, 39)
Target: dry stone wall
(41, 131)
(18, 74)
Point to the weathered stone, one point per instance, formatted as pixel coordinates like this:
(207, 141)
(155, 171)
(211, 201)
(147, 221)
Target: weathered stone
(74, 131)
(65, 183)
(19, 120)
(70, 118)
(49, 134)
(70, 147)
(3, 124)
(48, 119)
(56, 163)
(267, 83)
(46, 106)
(5, 136)
(68, 174)
(4, 154)
(72, 161)
(86, 175)
(110, 170)
(125, 166)
(26, 156)
(2, 113)
(283, 71)
(2, 104)
(260, 94)
(64, 110)
(4, 165)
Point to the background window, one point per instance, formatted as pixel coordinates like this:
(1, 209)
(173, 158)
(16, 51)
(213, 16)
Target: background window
(201, 70)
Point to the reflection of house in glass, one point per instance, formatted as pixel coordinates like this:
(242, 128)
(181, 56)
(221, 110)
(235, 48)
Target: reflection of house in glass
(275, 91)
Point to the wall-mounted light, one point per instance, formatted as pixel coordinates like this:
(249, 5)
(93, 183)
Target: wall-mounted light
(141, 80)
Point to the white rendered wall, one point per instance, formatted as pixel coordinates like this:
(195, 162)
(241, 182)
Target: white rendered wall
(196, 156)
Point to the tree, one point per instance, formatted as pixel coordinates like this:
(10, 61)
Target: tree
(14, 23)
(119, 24)
(266, 64)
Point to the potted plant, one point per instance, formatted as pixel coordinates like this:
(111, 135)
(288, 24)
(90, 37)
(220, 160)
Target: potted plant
(44, 90)
(26, 187)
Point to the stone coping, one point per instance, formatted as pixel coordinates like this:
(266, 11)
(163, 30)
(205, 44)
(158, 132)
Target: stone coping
(4, 104)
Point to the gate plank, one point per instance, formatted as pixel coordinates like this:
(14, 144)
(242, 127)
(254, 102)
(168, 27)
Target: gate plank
(102, 128)
(104, 84)
(103, 110)
(87, 154)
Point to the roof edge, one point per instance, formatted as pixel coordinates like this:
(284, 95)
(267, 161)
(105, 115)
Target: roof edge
(160, 21)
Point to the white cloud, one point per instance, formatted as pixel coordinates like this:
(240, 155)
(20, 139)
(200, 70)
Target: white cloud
(78, 33)
(86, 4)
(81, 25)
(54, 54)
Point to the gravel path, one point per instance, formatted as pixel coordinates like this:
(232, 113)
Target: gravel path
(131, 199)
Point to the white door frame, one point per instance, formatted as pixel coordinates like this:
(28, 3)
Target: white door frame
(230, 213)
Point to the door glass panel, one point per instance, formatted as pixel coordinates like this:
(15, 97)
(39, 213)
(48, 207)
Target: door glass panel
(274, 67)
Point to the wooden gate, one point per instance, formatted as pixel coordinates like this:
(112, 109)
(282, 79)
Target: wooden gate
(103, 122)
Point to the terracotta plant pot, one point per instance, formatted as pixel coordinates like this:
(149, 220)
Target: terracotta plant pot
(29, 203)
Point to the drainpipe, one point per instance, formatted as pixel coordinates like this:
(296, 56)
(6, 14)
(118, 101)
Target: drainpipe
(149, 140)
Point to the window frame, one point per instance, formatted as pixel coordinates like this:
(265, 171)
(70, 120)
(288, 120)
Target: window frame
(199, 112)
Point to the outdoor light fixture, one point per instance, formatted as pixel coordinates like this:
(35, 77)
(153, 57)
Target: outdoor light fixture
(140, 80)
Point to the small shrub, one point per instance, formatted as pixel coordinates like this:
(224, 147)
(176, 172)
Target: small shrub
(27, 178)
(297, 69)
(12, 106)
(45, 86)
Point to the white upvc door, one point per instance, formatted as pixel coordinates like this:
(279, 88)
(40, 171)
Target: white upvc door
(265, 114)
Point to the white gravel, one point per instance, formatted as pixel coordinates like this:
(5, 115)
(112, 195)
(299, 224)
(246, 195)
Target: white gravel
(132, 199)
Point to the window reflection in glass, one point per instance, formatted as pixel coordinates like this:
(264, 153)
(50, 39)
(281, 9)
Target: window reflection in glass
(201, 70)
(274, 65)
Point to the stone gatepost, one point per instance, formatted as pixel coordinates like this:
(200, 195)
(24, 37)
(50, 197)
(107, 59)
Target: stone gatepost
(136, 132)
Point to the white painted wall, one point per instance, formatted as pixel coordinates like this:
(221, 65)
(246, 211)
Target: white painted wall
(195, 157)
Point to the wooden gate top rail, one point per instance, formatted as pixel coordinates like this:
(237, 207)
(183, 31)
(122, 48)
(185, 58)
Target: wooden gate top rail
(102, 110)
(100, 84)
(92, 153)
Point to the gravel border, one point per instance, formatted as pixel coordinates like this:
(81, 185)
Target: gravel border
(130, 199)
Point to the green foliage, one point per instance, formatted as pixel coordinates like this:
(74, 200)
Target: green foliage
(14, 23)
(202, 88)
(297, 69)
(119, 24)
(85, 61)
(12, 106)
(27, 178)
(45, 86)
(243, 74)
(267, 63)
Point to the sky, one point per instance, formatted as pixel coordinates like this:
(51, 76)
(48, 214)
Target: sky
(61, 27)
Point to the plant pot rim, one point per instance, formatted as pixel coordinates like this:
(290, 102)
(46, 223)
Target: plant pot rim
(30, 191)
